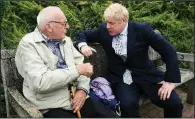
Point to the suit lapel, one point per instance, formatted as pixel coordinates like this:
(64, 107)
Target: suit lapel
(130, 40)
(108, 39)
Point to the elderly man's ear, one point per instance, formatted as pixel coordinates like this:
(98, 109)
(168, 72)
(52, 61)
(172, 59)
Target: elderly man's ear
(48, 27)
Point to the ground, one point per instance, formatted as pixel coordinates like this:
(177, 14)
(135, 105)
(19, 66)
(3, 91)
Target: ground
(150, 110)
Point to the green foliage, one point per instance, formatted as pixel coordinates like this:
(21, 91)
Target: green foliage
(174, 20)
(92, 12)
(19, 18)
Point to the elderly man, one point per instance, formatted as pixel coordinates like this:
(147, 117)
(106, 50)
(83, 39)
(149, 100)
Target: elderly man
(130, 71)
(49, 63)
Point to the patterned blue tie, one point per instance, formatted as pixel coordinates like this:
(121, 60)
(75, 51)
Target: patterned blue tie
(54, 45)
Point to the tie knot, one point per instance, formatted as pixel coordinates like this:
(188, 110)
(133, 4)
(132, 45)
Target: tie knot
(120, 35)
(123, 34)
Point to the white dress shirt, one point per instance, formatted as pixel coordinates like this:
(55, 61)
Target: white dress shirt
(123, 36)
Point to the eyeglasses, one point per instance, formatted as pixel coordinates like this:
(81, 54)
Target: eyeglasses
(62, 23)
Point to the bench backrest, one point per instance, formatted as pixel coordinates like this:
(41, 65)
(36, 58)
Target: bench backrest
(9, 72)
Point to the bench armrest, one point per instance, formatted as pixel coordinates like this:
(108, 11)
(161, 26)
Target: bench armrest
(185, 57)
(22, 107)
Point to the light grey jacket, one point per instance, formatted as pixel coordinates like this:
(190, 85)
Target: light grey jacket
(44, 85)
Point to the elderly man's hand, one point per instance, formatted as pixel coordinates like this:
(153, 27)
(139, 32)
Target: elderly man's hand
(78, 100)
(165, 90)
(85, 69)
(87, 51)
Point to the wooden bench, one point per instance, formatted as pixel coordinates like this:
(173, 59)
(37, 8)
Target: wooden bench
(12, 81)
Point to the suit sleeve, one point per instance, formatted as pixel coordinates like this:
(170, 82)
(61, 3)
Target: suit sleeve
(88, 36)
(167, 52)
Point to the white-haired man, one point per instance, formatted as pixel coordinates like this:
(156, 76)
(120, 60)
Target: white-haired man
(49, 63)
(130, 71)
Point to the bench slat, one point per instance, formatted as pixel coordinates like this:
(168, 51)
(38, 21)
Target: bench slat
(185, 57)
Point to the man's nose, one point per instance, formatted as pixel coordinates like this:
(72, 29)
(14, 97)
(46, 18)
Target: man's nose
(67, 26)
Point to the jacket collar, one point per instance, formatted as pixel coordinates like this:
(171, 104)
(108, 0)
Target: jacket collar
(125, 32)
(40, 37)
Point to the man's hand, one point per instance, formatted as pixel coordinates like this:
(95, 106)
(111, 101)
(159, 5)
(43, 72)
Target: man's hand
(87, 51)
(85, 69)
(165, 90)
(78, 100)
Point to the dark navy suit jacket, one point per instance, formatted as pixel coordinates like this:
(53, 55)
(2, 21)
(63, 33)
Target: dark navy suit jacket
(140, 37)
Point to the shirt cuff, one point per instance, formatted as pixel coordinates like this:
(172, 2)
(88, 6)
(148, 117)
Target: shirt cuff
(80, 88)
(81, 44)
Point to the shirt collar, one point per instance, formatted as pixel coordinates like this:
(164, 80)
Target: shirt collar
(124, 32)
(50, 40)
(44, 36)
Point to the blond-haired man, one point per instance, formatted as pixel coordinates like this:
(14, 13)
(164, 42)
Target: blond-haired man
(130, 71)
(49, 63)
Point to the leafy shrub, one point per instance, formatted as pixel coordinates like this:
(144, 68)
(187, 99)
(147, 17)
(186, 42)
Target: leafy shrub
(174, 20)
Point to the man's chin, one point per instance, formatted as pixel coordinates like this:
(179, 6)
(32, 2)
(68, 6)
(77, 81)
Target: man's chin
(63, 37)
(112, 34)
(60, 38)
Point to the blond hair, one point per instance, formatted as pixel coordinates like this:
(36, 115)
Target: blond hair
(116, 12)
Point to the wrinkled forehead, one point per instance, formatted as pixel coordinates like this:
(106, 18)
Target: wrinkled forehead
(60, 17)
